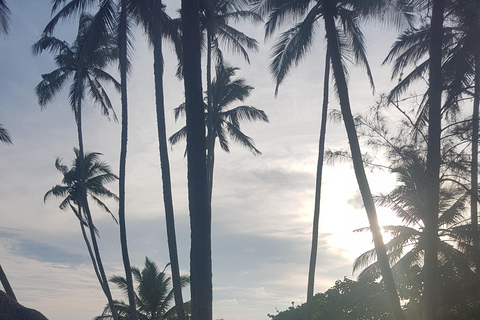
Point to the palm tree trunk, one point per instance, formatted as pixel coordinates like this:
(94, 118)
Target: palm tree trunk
(165, 164)
(433, 162)
(474, 177)
(123, 157)
(89, 247)
(338, 72)
(91, 227)
(318, 189)
(210, 131)
(199, 205)
(6, 284)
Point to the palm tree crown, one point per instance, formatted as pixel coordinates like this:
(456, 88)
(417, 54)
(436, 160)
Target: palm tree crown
(97, 173)
(226, 91)
(153, 294)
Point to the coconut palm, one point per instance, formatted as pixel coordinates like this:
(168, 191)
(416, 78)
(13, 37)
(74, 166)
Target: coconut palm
(4, 17)
(292, 46)
(215, 18)
(118, 21)
(226, 122)
(158, 26)
(4, 135)
(198, 198)
(407, 246)
(153, 297)
(96, 174)
(83, 63)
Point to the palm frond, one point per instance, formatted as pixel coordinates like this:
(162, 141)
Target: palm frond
(4, 135)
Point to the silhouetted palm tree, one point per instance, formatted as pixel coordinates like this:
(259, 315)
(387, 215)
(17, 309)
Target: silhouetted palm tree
(83, 63)
(292, 46)
(153, 296)
(96, 174)
(214, 20)
(4, 135)
(112, 17)
(198, 198)
(159, 26)
(226, 122)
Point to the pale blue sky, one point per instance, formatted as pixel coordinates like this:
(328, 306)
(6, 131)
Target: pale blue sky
(262, 205)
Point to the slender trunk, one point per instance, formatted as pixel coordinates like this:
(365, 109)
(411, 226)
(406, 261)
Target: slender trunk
(6, 285)
(123, 158)
(84, 200)
(164, 162)
(342, 89)
(210, 131)
(318, 189)
(200, 225)
(433, 163)
(474, 178)
(89, 247)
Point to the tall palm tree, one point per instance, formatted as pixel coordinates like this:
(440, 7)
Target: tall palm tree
(292, 46)
(433, 159)
(83, 62)
(4, 135)
(96, 174)
(225, 122)
(153, 296)
(158, 26)
(318, 190)
(112, 17)
(215, 18)
(4, 17)
(198, 198)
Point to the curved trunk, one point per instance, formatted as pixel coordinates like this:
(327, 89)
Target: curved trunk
(123, 158)
(433, 163)
(199, 206)
(318, 189)
(91, 227)
(210, 131)
(165, 164)
(474, 177)
(342, 89)
(6, 284)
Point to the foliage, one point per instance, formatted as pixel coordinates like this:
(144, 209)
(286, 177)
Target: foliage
(153, 294)
(347, 300)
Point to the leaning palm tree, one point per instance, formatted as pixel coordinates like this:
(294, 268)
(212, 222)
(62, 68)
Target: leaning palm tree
(4, 17)
(153, 297)
(159, 26)
(4, 135)
(226, 122)
(292, 46)
(83, 63)
(95, 174)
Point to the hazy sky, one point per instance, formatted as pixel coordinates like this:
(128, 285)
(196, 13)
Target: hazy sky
(262, 206)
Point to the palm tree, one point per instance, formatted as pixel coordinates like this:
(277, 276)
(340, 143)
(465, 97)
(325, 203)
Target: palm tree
(96, 174)
(292, 46)
(198, 198)
(407, 201)
(119, 22)
(225, 122)
(158, 26)
(83, 62)
(4, 135)
(4, 17)
(153, 297)
(214, 20)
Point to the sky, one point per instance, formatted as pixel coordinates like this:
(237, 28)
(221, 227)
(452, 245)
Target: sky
(262, 205)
